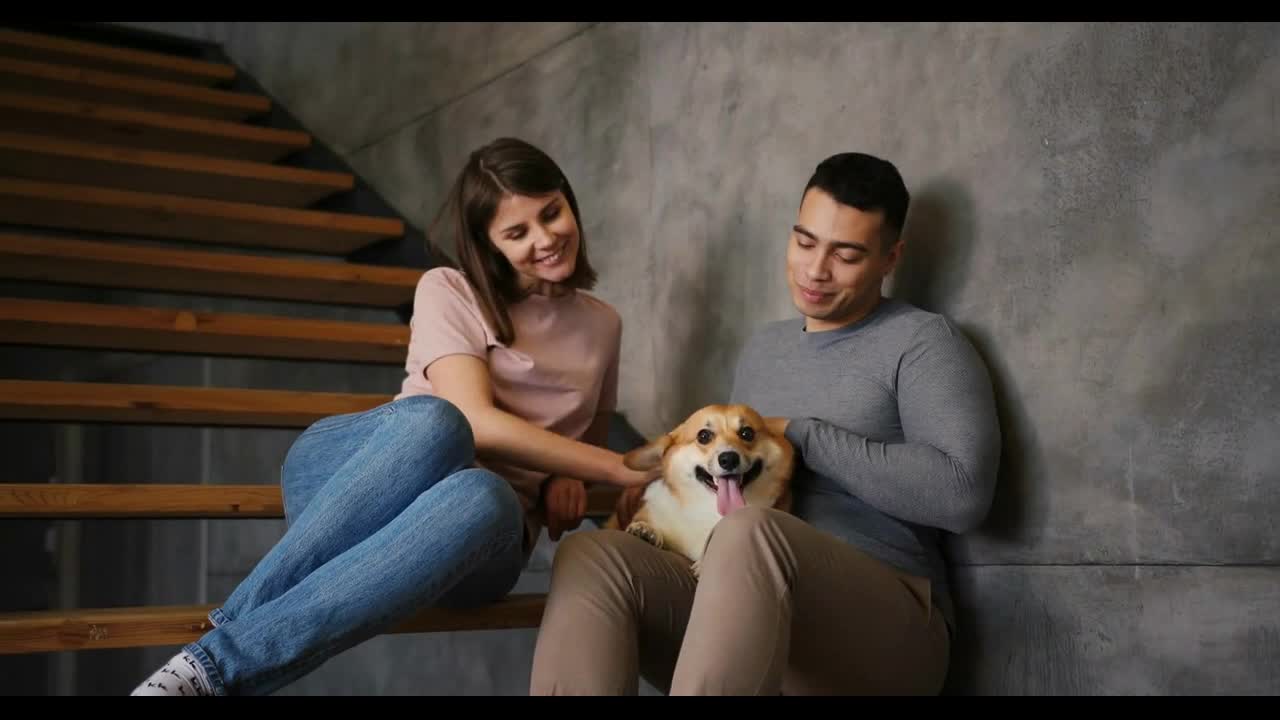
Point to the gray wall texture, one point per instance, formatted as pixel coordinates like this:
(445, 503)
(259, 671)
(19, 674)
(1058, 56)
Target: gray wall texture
(1095, 204)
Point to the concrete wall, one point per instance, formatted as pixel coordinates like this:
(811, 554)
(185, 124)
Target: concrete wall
(1096, 205)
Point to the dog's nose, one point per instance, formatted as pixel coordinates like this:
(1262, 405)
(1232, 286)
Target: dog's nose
(728, 460)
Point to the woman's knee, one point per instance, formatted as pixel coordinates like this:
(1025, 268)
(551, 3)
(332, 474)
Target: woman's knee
(436, 415)
(435, 428)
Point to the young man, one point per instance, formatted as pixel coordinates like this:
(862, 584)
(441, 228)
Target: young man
(893, 416)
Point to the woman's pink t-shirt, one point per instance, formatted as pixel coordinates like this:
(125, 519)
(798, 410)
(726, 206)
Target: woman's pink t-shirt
(561, 371)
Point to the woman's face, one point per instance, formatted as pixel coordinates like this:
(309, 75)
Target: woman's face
(539, 236)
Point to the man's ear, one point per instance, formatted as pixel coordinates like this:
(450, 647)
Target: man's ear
(894, 253)
(649, 456)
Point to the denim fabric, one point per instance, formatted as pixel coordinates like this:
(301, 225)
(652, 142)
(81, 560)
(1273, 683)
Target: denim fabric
(386, 514)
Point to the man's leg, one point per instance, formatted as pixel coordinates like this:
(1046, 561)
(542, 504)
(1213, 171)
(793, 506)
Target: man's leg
(785, 608)
(616, 610)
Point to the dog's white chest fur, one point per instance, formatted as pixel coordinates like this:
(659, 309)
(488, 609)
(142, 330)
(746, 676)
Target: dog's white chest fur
(685, 527)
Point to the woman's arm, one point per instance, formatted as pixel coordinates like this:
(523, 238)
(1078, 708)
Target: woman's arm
(464, 381)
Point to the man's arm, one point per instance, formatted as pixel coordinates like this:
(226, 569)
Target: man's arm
(944, 473)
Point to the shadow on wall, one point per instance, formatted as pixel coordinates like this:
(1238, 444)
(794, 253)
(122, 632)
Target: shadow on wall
(940, 235)
(699, 377)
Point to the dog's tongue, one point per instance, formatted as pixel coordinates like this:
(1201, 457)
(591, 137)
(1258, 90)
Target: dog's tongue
(729, 494)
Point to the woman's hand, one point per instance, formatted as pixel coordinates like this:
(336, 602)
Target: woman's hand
(628, 504)
(634, 483)
(625, 477)
(565, 499)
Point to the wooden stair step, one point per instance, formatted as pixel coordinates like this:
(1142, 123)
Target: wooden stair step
(176, 501)
(118, 125)
(127, 328)
(53, 49)
(175, 217)
(127, 627)
(77, 402)
(46, 158)
(147, 501)
(82, 83)
(138, 267)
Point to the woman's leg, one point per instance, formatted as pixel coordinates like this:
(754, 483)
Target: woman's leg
(374, 533)
(346, 477)
(468, 522)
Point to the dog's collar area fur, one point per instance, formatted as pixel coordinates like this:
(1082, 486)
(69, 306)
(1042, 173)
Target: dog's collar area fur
(707, 479)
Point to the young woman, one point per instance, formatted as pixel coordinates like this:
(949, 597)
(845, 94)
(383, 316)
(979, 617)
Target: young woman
(436, 498)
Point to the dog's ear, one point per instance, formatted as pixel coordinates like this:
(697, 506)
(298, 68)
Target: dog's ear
(776, 425)
(649, 456)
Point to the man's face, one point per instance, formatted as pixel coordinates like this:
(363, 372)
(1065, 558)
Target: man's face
(836, 261)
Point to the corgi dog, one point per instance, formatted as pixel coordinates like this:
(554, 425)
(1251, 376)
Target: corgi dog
(720, 459)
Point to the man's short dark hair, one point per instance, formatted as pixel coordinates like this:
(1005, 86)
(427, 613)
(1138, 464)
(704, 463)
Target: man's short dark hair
(867, 183)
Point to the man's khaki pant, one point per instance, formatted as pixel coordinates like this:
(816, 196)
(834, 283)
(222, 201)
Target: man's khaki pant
(780, 607)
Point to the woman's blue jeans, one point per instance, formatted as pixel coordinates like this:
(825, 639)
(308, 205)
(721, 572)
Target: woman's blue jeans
(386, 515)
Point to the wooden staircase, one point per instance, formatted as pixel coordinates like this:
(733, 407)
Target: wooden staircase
(128, 169)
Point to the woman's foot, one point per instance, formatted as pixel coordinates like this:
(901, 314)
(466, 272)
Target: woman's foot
(182, 675)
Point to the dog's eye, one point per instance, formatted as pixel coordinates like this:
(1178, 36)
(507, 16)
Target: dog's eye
(705, 436)
(747, 434)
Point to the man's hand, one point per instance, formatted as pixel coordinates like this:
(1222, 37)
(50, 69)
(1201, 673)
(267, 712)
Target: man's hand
(628, 504)
(565, 499)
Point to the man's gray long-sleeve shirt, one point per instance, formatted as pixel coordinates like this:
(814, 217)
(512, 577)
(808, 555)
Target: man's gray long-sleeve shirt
(894, 421)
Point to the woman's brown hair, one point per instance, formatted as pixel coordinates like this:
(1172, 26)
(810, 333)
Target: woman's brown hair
(506, 166)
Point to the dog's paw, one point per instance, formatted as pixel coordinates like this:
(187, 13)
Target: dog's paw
(645, 532)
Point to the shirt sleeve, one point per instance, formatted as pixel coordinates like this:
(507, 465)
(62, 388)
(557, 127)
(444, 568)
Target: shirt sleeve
(446, 321)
